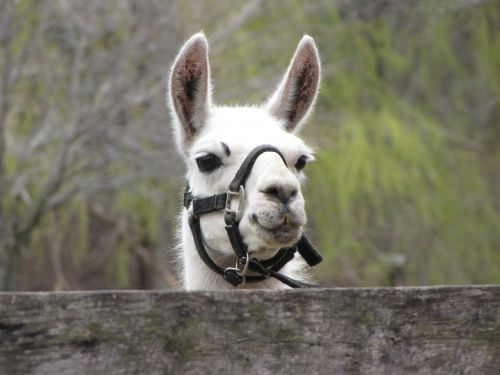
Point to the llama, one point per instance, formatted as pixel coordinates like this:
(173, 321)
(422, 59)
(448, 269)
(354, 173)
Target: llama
(215, 140)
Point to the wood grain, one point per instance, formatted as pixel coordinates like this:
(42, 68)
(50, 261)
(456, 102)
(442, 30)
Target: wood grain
(438, 330)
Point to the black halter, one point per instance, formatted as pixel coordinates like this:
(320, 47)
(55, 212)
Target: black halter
(264, 269)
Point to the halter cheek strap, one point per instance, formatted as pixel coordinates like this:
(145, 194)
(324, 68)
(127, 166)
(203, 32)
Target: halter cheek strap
(263, 268)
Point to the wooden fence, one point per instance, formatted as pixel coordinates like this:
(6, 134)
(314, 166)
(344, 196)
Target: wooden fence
(437, 330)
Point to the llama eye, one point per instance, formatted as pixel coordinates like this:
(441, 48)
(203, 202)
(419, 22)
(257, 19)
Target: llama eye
(208, 163)
(301, 163)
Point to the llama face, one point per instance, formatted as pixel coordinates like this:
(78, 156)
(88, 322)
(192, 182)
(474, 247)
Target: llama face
(274, 213)
(216, 140)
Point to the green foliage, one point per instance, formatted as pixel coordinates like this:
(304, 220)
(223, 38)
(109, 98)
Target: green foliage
(404, 179)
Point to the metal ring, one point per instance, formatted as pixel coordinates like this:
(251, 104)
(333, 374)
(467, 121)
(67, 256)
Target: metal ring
(240, 261)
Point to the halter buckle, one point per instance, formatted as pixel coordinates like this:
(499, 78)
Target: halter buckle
(241, 203)
(236, 275)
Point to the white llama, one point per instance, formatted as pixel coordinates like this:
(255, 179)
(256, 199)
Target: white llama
(215, 141)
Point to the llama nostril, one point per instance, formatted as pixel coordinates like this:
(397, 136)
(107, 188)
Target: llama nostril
(283, 193)
(255, 218)
(273, 191)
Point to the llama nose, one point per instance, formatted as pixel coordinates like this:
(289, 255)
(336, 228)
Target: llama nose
(283, 192)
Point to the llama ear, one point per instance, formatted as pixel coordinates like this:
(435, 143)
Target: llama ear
(190, 96)
(295, 95)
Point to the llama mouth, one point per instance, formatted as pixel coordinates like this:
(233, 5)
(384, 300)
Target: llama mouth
(284, 235)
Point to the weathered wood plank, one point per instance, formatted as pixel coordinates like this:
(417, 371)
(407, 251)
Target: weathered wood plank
(442, 330)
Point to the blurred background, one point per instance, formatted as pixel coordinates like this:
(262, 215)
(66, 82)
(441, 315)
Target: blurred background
(406, 186)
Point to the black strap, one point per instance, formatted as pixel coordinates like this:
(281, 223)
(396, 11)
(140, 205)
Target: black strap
(282, 257)
(194, 224)
(209, 204)
(239, 247)
(246, 167)
(308, 252)
(204, 205)
(188, 197)
(292, 283)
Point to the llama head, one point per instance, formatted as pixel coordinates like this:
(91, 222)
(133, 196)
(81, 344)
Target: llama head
(215, 140)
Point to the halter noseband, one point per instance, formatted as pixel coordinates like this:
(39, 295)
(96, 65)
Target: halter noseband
(264, 269)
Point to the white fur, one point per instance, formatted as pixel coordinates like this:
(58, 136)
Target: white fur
(242, 129)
